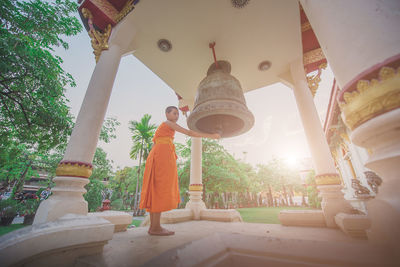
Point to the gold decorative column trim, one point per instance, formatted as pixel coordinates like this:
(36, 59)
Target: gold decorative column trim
(314, 80)
(99, 40)
(128, 7)
(313, 56)
(196, 187)
(327, 179)
(305, 26)
(347, 158)
(371, 98)
(74, 169)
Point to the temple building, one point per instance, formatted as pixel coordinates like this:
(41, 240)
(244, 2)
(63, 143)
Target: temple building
(359, 183)
(211, 53)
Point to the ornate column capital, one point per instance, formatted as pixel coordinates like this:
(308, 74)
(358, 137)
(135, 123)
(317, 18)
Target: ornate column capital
(377, 92)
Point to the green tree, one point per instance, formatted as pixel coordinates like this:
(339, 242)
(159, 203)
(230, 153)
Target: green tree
(312, 193)
(283, 179)
(94, 194)
(123, 185)
(221, 172)
(142, 134)
(33, 107)
(183, 152)
(265, 176)
(107, 133)
(34, 116)
(102, 166)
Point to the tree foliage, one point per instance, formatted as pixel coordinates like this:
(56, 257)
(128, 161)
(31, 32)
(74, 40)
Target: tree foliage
(124, 184)
(107, 133)
(34, 117)
(222, 173)
(142, 135)
(33, 107)
(102, 166)
(313, 199)
(94, 194)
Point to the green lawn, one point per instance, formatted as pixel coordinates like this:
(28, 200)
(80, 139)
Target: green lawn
(264, 215)
(136, 222)
(6, 229)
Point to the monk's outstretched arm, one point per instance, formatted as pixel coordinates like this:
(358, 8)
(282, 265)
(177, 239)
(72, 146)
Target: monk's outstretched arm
(191, 133)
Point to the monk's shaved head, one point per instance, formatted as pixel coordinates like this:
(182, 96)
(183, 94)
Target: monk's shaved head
(170, 108)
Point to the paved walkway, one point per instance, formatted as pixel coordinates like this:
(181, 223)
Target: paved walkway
(135, 247)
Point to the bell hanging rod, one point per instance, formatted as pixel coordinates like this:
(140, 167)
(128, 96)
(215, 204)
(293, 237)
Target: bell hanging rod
(212, 45)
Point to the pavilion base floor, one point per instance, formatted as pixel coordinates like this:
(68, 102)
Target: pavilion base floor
(211, 243)
(309, 218)
(182, 215)
(121, 220)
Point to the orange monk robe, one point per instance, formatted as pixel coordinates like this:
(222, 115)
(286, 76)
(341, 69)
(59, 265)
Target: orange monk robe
(160, 191)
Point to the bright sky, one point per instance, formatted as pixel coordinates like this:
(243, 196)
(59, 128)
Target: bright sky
(277, 132)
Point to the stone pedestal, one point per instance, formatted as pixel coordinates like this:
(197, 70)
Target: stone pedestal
(196, 204)
(333, 202)
(57, 243)
(382, 136)
(66, 198)
(354, 225)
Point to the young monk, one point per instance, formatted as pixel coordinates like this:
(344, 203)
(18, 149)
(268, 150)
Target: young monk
(160, 191)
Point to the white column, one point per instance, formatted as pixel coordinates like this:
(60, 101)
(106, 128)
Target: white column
(327, 179)
(196, 204)
(84, 137)
(75, 168)
(317, 143)
(361, 42)
(356, 34)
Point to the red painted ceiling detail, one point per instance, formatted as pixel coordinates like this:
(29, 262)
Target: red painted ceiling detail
(104, 11)
(309, 42)
(118, 4)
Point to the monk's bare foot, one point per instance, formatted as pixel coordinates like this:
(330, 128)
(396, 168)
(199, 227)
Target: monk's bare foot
(160, 232)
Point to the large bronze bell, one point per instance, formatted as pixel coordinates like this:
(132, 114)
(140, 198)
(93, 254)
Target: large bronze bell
(220, 106)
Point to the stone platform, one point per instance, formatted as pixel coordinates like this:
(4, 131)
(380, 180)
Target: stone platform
(136, 248)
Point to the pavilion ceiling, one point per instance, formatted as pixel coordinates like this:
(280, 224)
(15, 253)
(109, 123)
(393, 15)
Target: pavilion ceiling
(261, 30)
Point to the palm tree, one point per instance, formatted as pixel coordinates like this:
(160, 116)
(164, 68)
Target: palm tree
(142, 134)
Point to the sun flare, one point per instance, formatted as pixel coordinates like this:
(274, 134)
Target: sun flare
(291, 160)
